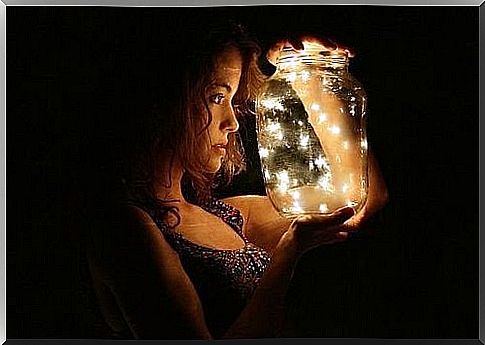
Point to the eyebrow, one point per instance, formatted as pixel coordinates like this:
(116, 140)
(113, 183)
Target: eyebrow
(224, 85)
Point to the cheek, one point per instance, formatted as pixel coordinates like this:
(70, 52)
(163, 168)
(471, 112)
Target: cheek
(203, 145)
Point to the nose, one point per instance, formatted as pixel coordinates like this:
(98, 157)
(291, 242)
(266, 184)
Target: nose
(230, 123)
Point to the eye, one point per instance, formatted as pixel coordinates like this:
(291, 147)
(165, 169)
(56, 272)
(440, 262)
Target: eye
(218, 98)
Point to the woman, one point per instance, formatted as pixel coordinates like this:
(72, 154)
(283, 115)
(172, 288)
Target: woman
(168, 266)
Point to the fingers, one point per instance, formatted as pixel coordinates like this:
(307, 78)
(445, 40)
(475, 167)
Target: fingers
(297, 41)
(342, 235)
(274, 52)
(336, 218)
(325, 42)
(310, 231)
(328, 44)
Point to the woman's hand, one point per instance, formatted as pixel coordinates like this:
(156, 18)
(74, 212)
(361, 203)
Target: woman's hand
(298, 42)
(307, 232)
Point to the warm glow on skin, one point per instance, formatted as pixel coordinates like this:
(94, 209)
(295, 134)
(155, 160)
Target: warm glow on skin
(322, 118)
(345, 188)
(335, 130)
(323, 208)
(219, 97)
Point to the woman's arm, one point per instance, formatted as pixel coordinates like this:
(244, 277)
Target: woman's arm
(264, 314)
(145, 276)
(157, 298)
(377, 196)
(264, 226)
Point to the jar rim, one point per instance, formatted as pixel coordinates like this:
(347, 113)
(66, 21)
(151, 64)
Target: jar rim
(313, 53)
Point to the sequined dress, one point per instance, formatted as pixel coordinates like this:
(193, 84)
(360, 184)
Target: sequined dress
(224, 279)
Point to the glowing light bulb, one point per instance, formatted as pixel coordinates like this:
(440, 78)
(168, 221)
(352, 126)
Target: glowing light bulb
(323, 208)
(263, 152)
(351, 203)
(322, 118)
(335, 129)
(296, 207)
(345, 188)
(282, 187)
(325, 184)
(352, 110)
(284, 180)
(321, 162)
(300, 123)
(293, 63)
(267, 176)
(272, 104)
(291, 77)
(363, 144)
(315, 107)
(304, 138)
(305, 76)
(273, 126)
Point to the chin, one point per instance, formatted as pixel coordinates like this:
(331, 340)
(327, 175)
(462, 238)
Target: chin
(213, 166)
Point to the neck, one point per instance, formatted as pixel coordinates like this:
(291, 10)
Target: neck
(168, 173)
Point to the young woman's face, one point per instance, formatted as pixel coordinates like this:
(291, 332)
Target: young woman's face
(219, 96)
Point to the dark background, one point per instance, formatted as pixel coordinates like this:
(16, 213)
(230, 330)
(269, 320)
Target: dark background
(416, 277)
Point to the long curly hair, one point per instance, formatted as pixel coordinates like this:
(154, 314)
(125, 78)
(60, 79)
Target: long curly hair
(179, 114)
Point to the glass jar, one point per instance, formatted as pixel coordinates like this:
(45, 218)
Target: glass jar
(311, 130)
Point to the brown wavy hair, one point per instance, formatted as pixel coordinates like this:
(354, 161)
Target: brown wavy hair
(178, 118)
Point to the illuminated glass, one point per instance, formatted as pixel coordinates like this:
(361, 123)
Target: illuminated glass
(312, 133)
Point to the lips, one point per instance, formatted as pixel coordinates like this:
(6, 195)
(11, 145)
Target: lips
(220, 148)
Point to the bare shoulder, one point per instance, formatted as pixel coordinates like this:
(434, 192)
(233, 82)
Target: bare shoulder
(138, 217)
(245, 203)
(144, 272)
(125, 220)
(251, 207)
(130, 235)
(263, 224)
(254, 206)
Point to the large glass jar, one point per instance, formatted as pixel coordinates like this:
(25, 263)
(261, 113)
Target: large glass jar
(311, 127)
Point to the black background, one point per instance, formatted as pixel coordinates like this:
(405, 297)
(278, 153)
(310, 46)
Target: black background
(416, 277)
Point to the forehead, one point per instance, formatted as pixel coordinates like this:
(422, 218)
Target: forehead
(229, 63)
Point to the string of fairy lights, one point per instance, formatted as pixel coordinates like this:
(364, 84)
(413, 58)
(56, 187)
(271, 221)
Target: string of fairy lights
(295, 166)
